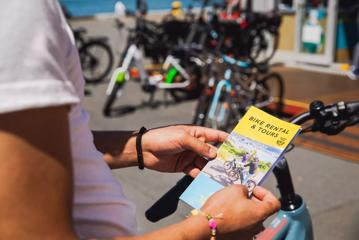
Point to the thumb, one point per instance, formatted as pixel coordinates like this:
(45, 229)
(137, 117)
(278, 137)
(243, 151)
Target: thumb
(199, 147)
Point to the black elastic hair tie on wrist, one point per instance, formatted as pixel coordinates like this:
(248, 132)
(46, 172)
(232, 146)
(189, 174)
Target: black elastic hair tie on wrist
(141, 164)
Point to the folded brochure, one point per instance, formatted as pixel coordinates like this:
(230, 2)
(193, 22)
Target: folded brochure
(246, 157)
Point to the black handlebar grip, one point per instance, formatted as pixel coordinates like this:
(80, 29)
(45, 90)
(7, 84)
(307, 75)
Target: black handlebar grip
(168, 203)
(353, 107)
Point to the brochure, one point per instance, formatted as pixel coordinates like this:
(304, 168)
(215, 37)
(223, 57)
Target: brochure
(246, 157)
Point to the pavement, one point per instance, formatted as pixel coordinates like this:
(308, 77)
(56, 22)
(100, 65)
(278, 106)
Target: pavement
(329, 185)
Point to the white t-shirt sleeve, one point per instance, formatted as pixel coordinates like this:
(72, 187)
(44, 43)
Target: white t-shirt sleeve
(32, 63)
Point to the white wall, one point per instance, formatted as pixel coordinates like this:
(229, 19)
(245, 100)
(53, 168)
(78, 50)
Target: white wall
(263, 5)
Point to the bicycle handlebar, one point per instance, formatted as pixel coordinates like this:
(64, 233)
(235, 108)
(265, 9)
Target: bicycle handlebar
(331, 120)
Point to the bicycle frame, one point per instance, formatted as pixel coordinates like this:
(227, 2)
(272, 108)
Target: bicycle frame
(244, 94)
(213, 115)
(290, 225)
(173, 67)
(293, 221)
(133, 58)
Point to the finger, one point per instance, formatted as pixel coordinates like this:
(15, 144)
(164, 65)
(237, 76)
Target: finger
(192, 170)
(263, 194)
(202, 139)
(211, 135)
(268, 202)
(199, 147)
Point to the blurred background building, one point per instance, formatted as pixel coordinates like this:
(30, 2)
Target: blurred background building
(315, 32)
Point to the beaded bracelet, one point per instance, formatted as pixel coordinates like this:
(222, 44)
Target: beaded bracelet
(212, 224)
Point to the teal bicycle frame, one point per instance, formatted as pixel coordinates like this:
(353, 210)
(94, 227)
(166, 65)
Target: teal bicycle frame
(293, 221)
(290, 225)
(216, 115)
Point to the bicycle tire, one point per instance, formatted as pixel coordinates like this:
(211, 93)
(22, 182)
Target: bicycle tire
(201, 110)
(233, 175)
(255, 52)
(267, 82)
(228, 165)
(111, 99)
(98, 62)
(232, 115)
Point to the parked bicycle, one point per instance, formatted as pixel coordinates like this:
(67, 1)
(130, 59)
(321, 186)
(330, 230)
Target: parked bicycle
(95, 55)
(179, 74)
(293, 221)
(223, 102)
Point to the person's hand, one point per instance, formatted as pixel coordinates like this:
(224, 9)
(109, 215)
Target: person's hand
(180, 148)
(242, 217)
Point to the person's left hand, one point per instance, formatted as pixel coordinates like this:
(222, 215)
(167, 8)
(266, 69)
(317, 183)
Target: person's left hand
(180, 148)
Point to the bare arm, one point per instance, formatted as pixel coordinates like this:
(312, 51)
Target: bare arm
(35, 175)
(36, 180)
(194, 228)
(178, 148)
(36, 186)
(118, 147)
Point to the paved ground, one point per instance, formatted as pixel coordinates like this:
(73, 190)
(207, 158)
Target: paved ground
(328, 185)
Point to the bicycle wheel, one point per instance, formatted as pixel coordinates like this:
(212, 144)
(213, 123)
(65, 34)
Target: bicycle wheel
(233, 175)
(233, 113)
(111, 99)
(263, 45)
(201, 111)
(96, 60)
(270, 93)
(228, 165)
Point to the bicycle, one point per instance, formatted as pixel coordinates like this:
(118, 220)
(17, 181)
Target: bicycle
(180, 74)
(225, 101)
(95, 56)
(293, 221)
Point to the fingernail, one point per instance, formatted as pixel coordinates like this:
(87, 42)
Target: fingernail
(213, 151)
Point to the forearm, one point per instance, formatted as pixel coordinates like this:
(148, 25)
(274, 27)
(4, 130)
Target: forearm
(118, 147)
(194, 228)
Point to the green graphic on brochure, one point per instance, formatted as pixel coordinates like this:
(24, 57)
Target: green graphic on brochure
(246, 157)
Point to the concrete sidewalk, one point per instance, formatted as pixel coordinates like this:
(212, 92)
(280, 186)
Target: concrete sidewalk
(328, 185)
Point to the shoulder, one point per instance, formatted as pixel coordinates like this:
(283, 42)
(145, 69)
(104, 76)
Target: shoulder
(34, 48)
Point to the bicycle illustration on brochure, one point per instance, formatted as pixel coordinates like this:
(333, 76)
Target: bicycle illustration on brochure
(243, 169)
(238, 161)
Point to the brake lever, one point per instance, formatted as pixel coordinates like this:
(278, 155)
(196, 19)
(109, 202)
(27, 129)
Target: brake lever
(332, 120)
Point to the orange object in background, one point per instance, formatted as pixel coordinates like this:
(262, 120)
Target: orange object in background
(134, 73)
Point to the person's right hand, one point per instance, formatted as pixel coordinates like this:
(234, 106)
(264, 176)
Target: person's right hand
(242, 217)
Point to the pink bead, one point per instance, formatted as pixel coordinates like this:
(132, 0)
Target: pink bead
(212, 224)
